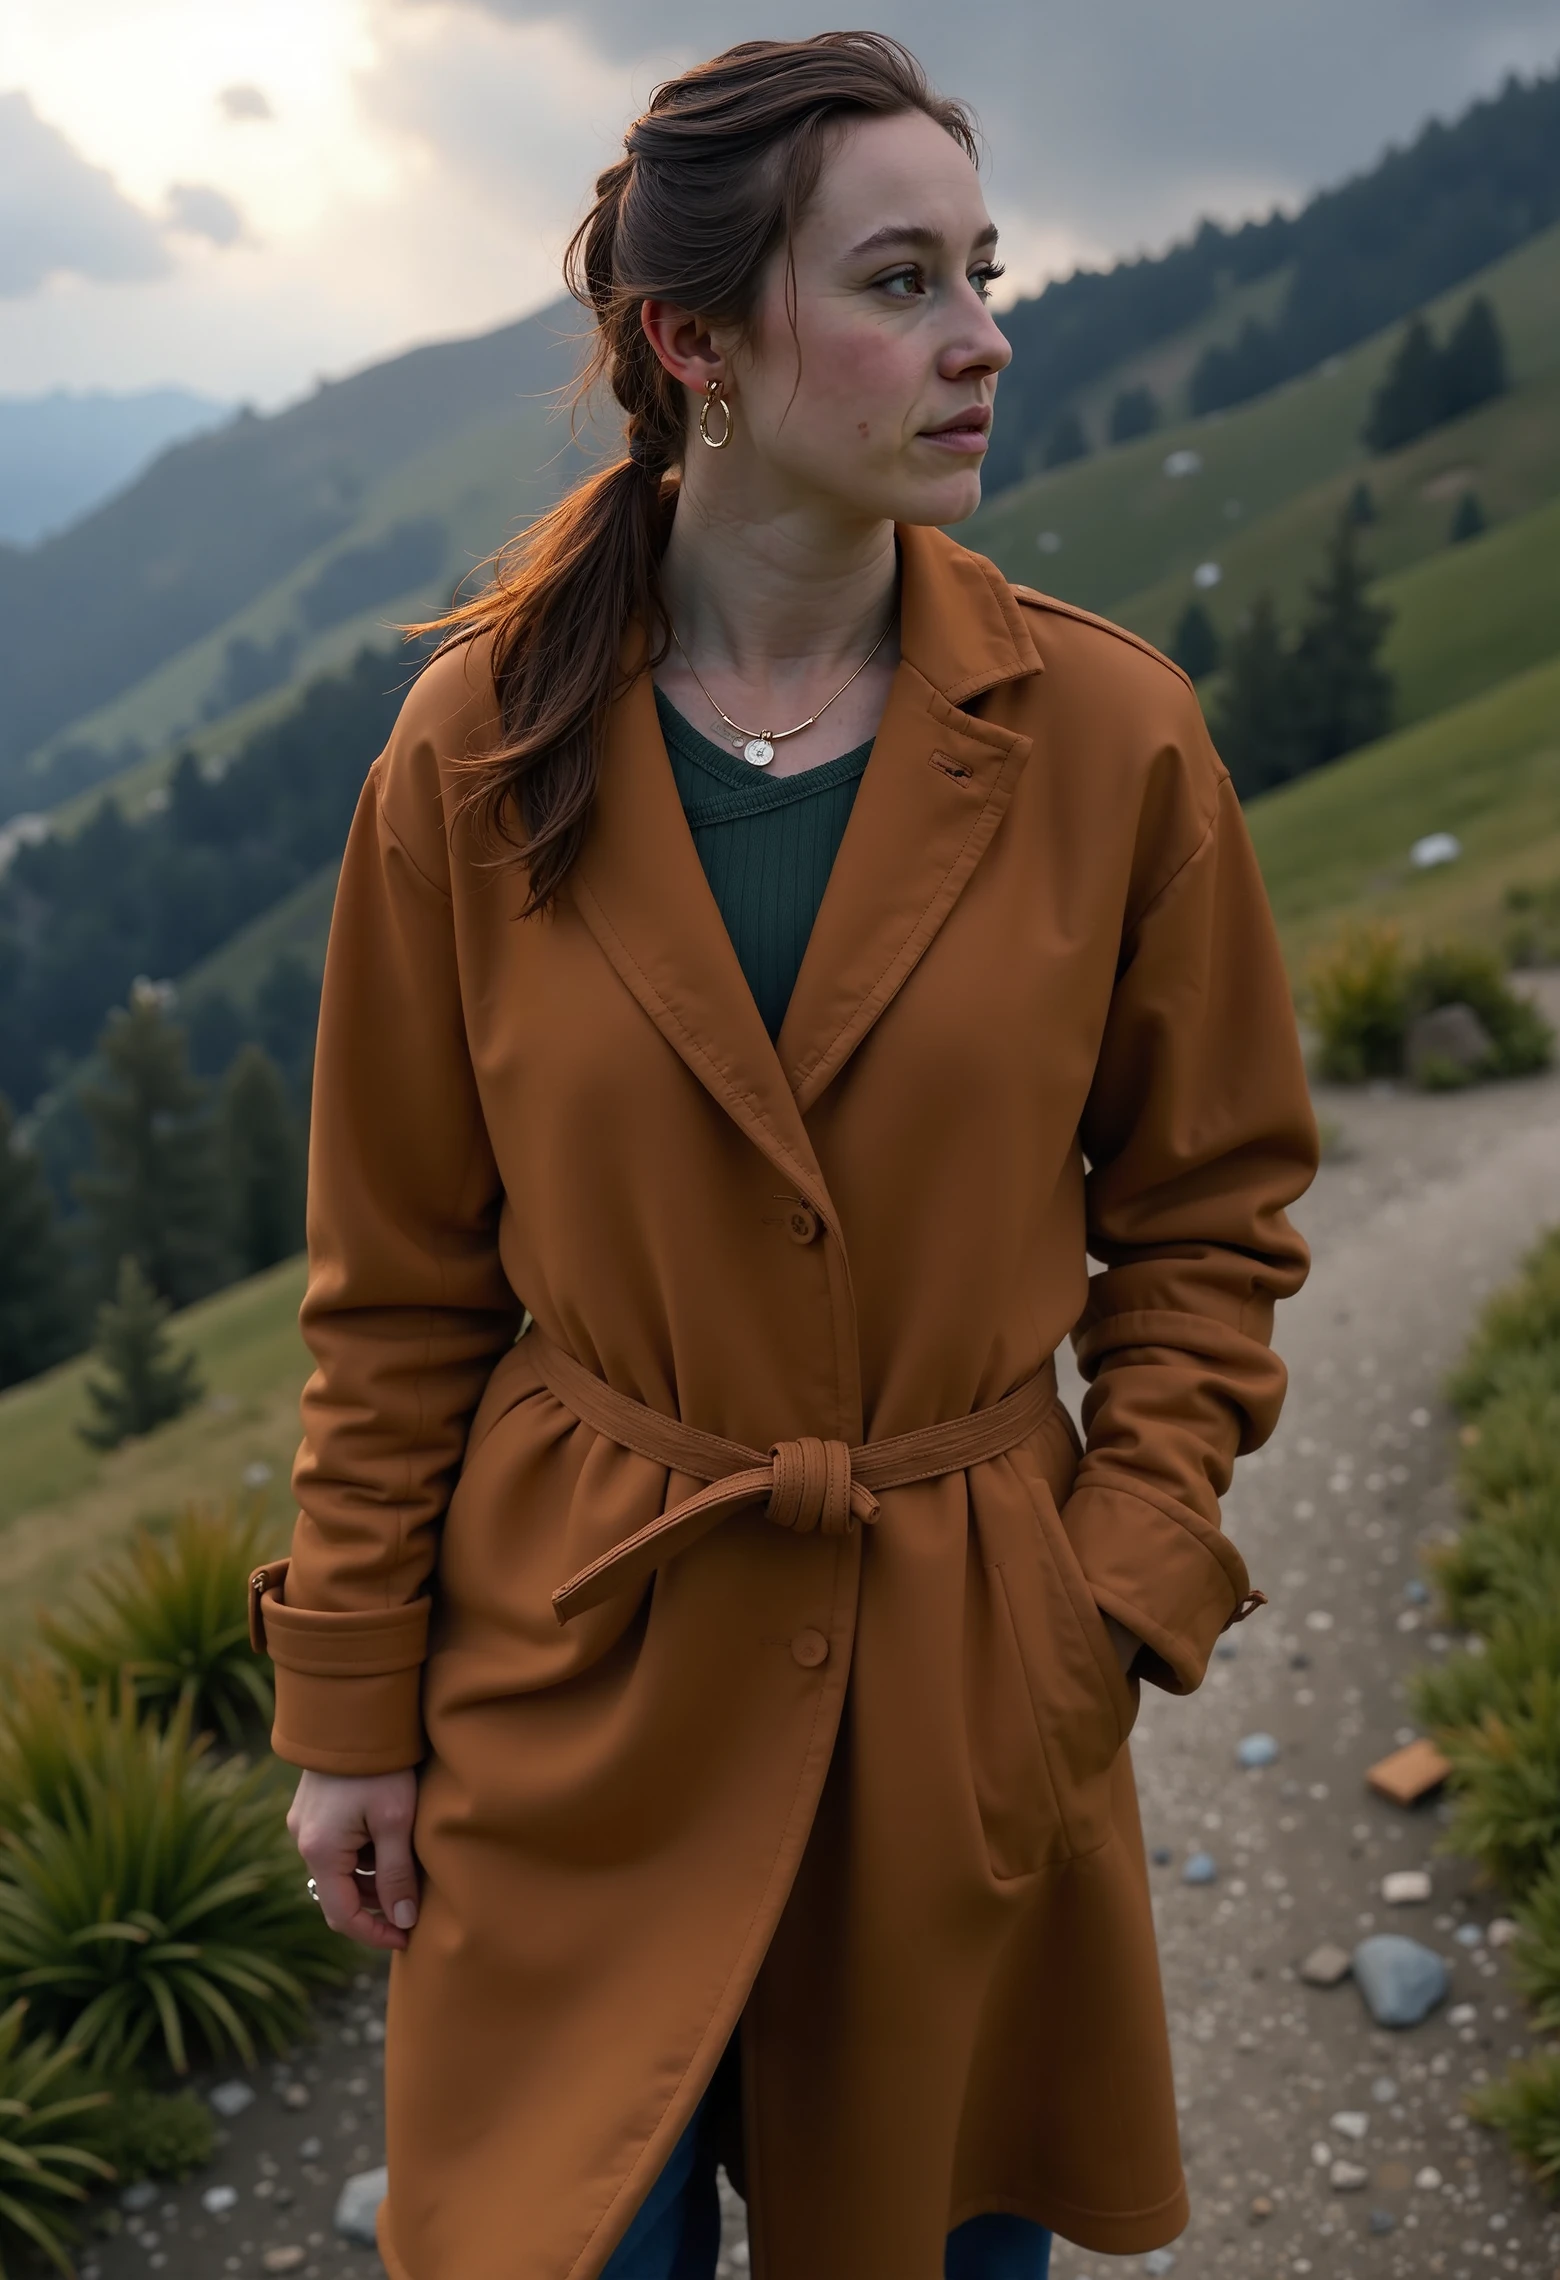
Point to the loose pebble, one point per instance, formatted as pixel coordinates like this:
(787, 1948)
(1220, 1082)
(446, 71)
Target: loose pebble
(311, 2149)
(1200, 1868)
(1161, 1856)
(288, 2257)
(357, 2205)
(1500, 1931)
(1428, 2179)
(218, 2199)
(1325, 1965)
(230, 2099)
(1416, 1591)
(1401, 1980)
(1461, 2015)
(1348, 2176)
(1260, 2207)
(1318, 1620)
(1159, 2260)
(1349, 2125)
(1382, 2221)
(139, 2196)
(1405, 1886)
(1384, 2090)
(1256, 1749)
(1469, 1935)
(294, 2096)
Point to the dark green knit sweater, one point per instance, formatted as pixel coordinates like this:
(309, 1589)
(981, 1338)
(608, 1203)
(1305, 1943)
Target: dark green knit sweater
(767, 844)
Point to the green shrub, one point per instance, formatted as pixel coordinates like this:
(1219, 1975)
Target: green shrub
(1506, 1784)
(1512, 1448)
(1533, 936)
(50, 2128)
(1358, 993)
(150, 2134)
(1535, 1958)
(1458, 1692)
(1525, 2103)
(1461, 973)
(172, 1615)
(1516, 1324)
(160, 1909)
(1506, 1561)
(144, 1382)
(55, 1733)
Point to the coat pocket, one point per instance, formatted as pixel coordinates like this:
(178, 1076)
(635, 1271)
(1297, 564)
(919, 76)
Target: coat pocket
(1082, 1703)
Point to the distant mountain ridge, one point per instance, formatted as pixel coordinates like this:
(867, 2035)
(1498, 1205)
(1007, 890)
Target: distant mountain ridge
(63, 453)
(218, 519)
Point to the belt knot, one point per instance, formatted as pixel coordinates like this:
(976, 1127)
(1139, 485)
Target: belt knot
(813, 1488)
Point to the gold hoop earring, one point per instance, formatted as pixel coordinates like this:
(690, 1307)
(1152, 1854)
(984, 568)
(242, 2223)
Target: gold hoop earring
(712, 397)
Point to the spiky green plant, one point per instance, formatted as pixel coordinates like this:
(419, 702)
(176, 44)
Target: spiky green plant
(1506, 1782)
(172, 1616)
(1519, 1321)
(1457, 1693)
(160, 1910)
(1525, 2103)
(1535, 1958)
(1514, 1444)
(50, 2129)
(1505, 1562)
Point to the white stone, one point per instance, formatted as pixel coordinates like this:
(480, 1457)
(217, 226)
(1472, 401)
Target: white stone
(1461, 2015)
(1435, 848)
(218, 2199)
(1427, 2179)
(1500, 1931)
(1348, 2176)
(1177, 465)
(357, 2205)
(229, 2099)
(1206, 575)
(1350, 2125)
(1404, 1886)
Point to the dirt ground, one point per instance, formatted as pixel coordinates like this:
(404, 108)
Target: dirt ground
(1424, 1206)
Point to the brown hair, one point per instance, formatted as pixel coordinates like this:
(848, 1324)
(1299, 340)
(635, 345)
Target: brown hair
(716, 176)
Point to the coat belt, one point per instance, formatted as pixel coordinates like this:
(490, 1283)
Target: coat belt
(803, 1485)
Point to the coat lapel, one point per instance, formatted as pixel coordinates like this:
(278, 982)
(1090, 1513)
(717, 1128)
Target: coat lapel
(641, 889)
(935, 789)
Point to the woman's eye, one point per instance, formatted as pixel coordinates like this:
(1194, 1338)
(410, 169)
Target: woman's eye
(986, 276)
(909, 279)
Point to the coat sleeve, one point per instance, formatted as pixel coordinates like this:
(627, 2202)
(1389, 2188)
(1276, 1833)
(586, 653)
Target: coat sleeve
(407, 1307)
(1198, 1131)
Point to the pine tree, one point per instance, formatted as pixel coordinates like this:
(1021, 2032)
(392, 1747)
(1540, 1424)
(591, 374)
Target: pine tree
(1408, 402)
(1135, 412)
(1257, 727)
(1473, 362)
(37, 1302)
(1195, 647)
(1066, 442)
(265, 1159)
(1362, 504)
(156, 1192)
(1469, 520)
(144, 1382)
(1344, 693)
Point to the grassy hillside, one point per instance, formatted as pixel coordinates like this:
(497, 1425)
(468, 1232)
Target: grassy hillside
(1336, 844)
(63, 1506)
(1128, 536)
(299, 923)
(1474, 615)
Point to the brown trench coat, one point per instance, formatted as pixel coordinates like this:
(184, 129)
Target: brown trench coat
(1041, 1010)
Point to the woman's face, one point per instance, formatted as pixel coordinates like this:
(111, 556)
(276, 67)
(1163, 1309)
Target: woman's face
(885, 412)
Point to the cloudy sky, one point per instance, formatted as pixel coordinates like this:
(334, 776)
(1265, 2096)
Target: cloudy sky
(240, 195)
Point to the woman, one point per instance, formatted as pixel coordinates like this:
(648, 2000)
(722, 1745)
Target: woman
(751, 1638)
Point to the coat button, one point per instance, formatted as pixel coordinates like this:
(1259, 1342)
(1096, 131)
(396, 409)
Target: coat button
(802, 1223)
(810, 1648)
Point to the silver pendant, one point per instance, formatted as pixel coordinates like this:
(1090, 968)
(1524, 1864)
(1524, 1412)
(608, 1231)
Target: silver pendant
(759, 750)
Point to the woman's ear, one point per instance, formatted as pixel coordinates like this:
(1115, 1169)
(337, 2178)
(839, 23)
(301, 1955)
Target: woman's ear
(683, 343)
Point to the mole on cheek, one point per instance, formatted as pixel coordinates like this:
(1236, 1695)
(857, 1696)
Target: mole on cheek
(863, 430)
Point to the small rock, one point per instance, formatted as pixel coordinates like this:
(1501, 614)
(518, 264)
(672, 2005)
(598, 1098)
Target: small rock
(1347, 2176)
(1469, 1935)
(1382, 2221)
(140, 2196)
(1448, 1037)
(294, 2096)
(1160, 1856)
(1319, 1620)
(1200, 1868)
(1256, 1749)
(1416, 1589)
(1461, 2015)
(1401, 1980)
(1349, 2125)
(357, 2205)
(1405, 1886)
(1322, 2155)
(1434, 848)
(287, 2258)
(1325, 1966)
(1428, 2179)
(229, 2099)
(1159, 2260)
(311, 2149)
(1225, 1649)
(218, 2199)
(1260, 2207)
(1384, 2090)
(1500, 1931)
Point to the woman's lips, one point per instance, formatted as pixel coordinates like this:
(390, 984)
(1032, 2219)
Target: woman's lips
(964, 437)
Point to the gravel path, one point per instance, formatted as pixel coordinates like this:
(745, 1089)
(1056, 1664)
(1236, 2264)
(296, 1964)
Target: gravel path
(1425, 1206)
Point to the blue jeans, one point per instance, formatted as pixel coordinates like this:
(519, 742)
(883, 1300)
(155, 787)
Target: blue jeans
(676, 2233)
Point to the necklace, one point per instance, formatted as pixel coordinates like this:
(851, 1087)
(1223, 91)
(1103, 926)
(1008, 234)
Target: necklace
(758, 744)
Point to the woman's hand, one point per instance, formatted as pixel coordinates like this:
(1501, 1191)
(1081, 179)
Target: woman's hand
(355, 1833)
(1125, 1642)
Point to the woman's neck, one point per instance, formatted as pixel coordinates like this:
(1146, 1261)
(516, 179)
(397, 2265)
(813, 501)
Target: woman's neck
(779, 601)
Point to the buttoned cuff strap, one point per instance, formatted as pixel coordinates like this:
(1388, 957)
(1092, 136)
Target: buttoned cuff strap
(348, 1685)
(1166, 1573)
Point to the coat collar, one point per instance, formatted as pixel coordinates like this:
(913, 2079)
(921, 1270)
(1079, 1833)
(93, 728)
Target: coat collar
(929, 802)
